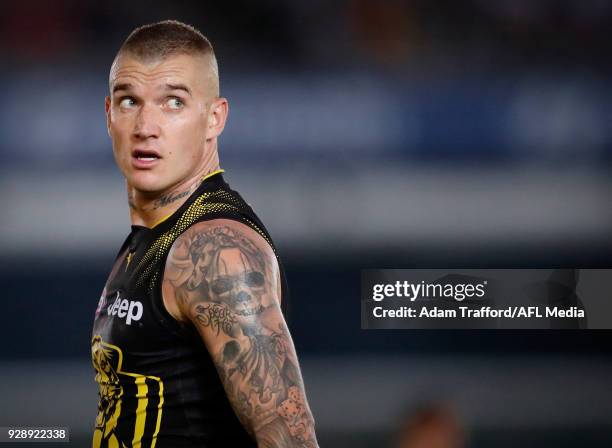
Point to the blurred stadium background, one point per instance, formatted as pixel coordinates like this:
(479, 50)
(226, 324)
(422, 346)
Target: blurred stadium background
(367, 134)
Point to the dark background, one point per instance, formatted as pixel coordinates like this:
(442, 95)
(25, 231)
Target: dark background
(366, 134)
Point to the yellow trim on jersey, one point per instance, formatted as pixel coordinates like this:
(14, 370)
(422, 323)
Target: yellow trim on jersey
(162, 220)
(220, 170)
(203, 179)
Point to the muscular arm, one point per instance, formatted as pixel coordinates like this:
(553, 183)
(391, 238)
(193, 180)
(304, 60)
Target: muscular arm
(224, 277)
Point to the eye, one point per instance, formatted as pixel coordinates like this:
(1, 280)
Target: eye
(127, 102)
(254, 278)
(175, 103)
(221, 285)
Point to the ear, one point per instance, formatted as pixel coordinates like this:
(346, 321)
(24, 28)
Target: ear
(107, 106)
(217, 116)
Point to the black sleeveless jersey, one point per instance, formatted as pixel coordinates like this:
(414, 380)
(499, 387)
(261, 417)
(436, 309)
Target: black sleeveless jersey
(158, 386)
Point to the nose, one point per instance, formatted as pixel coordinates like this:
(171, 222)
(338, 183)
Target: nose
(147, 123)
(243, 296)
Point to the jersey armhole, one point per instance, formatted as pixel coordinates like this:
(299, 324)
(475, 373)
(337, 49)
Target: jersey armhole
(184, 331)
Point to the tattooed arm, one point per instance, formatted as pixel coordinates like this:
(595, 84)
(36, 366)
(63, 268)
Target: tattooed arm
(223, 276)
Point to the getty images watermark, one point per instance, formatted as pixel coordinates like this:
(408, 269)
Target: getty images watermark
(485, 298)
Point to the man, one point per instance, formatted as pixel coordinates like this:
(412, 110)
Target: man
(189, 342)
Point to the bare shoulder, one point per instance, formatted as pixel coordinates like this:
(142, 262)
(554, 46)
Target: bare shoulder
(225, 262)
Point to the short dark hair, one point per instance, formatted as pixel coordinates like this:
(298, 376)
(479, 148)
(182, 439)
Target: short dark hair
(166, 38)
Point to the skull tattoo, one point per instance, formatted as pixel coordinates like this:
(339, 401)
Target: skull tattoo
(229, 269)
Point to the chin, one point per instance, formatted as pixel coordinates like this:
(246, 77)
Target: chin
(148, 182)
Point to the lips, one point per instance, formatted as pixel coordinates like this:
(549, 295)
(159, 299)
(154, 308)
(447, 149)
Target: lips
(144, 158)
(145, 154)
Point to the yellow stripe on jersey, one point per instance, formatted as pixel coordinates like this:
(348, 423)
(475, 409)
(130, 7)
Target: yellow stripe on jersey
(159, 412)
(141, 410)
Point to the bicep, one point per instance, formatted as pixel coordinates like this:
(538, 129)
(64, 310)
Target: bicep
(227, 283)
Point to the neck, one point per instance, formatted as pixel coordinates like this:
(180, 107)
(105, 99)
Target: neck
(149, 209)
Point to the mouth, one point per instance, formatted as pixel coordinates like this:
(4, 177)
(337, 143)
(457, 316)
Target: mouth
(146, 155)
(145, 159)
(250, 311)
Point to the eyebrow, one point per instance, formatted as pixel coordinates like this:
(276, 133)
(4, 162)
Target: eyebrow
(122, 86)
(128, 86)
(182, 87)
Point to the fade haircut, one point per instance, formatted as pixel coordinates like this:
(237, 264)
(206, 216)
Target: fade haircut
(158, 41)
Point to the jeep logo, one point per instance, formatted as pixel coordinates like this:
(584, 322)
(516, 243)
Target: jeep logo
(130, 310)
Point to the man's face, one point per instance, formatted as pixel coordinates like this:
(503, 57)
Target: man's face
(157, 117)
(237, 282)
